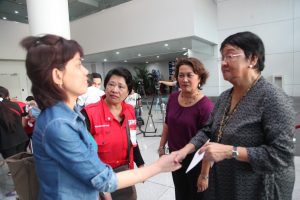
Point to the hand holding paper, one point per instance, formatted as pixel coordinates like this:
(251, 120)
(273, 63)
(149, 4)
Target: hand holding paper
(196, 159)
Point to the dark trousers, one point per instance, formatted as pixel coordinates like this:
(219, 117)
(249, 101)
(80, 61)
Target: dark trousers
(14, 150)
(186, 183)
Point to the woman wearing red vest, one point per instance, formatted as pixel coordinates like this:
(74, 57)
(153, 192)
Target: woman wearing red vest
(112, 123)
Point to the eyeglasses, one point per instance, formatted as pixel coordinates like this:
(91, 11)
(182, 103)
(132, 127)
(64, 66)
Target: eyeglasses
(229, 57)
(112, 85)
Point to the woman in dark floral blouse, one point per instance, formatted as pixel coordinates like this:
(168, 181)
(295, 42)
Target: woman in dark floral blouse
(251, 129)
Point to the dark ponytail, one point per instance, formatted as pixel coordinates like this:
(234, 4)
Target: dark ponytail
(7, 116)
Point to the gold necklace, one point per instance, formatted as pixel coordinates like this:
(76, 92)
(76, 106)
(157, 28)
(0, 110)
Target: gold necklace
(189, 100)
(228, 115)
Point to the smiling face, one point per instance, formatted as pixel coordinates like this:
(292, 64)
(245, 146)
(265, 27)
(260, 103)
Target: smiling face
(187, 79)
(116, 90)
(234, 64)
(74, 78)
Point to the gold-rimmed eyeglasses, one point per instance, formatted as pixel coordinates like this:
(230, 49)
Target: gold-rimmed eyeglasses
(229, 57)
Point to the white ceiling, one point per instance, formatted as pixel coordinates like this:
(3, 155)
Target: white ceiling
(154, 52)
(77, 8)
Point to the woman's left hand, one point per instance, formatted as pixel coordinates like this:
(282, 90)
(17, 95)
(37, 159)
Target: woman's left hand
(216, 152)
(202, 184)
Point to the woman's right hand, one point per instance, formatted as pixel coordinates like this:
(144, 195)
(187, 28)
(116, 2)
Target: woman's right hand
(167, 163)
(161, 151)
(180, 155)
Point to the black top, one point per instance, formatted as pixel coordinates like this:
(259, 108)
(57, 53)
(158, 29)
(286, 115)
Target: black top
(12, 138)
(264, 124)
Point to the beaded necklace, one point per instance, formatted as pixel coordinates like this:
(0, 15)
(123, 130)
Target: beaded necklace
(189, 100)
(228, 115)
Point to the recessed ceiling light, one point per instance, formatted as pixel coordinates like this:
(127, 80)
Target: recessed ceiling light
(166, 45)
(183, 48)
(117, 53)
(157, 56)
(139, 55)
(104, 59)
(147, 62)
(4, 18)
(16, 12)
(125, 60)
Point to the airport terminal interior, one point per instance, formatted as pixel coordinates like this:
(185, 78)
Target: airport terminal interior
(147, 37)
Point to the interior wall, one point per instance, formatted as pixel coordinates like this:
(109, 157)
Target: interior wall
(212, 85)
(13, 77)
(278, 25)
(205, 20)
(11, 34)
(134, 23)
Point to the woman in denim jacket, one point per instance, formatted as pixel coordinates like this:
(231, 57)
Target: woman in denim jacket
(67, 163)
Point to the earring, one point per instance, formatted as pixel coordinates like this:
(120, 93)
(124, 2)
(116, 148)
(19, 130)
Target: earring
(250, 66)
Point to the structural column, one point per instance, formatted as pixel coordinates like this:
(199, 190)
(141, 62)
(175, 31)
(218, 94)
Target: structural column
(49, 17)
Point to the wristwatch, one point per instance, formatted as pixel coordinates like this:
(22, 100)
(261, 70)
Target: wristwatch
(235, 152)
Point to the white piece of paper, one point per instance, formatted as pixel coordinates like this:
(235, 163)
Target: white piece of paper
(196, 159)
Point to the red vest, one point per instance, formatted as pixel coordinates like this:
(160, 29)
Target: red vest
(111, 137)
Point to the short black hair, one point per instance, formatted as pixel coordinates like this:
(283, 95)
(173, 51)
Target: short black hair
(29, 98)
(96, 75)
(4, 93)
(250, 43)
(123, 72)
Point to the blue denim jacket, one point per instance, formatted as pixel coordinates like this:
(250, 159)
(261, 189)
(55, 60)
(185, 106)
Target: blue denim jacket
(66, 157)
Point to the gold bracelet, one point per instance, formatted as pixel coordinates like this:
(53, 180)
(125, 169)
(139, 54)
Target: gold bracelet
(204, 177)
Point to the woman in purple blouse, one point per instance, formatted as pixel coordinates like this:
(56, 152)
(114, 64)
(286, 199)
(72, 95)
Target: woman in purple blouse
(187, 112)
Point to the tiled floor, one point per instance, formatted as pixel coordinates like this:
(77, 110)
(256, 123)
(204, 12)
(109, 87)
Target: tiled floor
(159, 187)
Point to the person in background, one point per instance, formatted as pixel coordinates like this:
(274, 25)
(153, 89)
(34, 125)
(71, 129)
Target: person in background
(251, 129)
(29, 98)
(97, 80)
(13, 138)
(31, 113)
(172, 84)
(168, 83)
(93, 93)
(187, 111)
(135, 100)
(112, 122)
(65, 154)
(21, 104)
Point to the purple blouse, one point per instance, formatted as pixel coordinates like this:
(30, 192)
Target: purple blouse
(184, 122)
